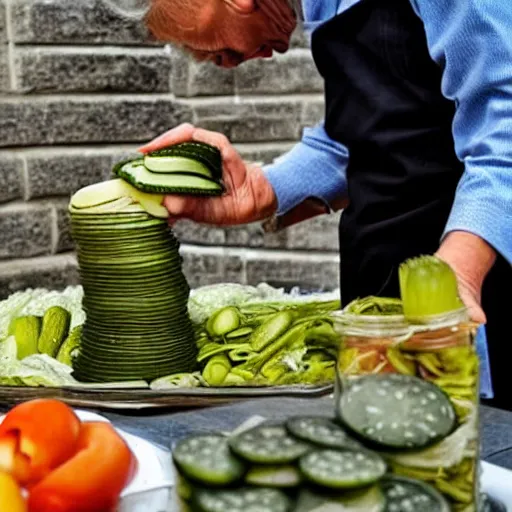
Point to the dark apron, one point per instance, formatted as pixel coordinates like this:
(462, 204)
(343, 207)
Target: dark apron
(384, 102)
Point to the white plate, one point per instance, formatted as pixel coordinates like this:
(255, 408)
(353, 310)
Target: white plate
(151, 489)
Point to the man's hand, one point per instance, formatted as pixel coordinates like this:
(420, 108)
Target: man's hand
(471, 258)
(249, 196)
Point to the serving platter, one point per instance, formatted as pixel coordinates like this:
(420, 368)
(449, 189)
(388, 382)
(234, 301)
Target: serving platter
(139, 399)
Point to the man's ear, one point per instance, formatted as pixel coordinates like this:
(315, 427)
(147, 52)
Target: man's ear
(242, 6)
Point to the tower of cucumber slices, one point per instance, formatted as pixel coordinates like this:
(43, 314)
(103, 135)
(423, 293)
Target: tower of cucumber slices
(135, 293)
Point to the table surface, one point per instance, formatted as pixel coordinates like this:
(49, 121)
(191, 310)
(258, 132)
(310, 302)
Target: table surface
(166, 427)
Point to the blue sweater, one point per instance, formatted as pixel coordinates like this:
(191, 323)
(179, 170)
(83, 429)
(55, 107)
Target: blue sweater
(471, 40)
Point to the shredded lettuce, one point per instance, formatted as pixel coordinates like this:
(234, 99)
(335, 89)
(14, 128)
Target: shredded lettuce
(206, 300)
(35, 370)
(179, 380)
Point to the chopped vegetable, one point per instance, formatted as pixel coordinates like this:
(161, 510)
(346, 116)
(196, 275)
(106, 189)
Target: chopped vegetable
(36, 437)
(348, 469)
(207, 459)
(396, 411)
(241, 500)
(404, 494)
(367, 500)
(274, 476)
(92, 479)
(54, 331)
(321, 431)
(268, 445)
(26, 331)
(69, 348)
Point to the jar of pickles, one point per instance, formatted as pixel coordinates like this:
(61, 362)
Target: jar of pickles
(410, 391)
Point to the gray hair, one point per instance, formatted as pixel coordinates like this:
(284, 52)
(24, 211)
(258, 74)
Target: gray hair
(137, 9)
(133, 9)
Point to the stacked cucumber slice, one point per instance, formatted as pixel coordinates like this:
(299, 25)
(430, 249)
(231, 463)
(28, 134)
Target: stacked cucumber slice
(135, 294)
(307, 464)
(191, 168)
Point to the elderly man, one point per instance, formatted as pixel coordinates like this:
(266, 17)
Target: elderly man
(416, 144)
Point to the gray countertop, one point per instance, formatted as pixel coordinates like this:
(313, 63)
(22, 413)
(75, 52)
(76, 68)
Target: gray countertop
(164, 428)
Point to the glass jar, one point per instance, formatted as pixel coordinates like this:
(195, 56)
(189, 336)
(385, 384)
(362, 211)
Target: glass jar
(411, 391)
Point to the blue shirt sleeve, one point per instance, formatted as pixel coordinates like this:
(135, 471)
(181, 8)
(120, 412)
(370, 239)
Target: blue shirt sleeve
(315, 167)
(472, 41)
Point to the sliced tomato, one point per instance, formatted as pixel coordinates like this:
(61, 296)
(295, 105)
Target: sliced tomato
(35, 438)
(92, 480)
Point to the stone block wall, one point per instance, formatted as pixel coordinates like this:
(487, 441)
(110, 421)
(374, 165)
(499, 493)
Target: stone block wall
(80, 90)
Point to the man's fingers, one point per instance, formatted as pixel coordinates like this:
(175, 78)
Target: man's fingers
(179, 206)
(182, 133)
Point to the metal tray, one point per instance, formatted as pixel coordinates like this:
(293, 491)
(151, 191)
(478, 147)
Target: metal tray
(139, 399)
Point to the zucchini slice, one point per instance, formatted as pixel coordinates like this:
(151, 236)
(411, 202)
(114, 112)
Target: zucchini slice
(405, 494)
(135, 173)
(320, 431)
(371, 499)
(239, 333)
(223, 322)
(274, 476)
(116, 196)
(396, 411)
(208, 460)
(241, 500)
(207, 155)
(173, 164)
(100, 193)
(335, 469)
(268, 444)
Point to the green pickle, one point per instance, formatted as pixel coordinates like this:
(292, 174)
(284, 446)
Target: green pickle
(441, 353)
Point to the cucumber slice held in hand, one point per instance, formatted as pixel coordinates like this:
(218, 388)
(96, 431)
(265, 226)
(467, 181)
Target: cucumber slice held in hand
(337, 469)
(396, 411)
(207, 459)
(268, 444)
(171, 164)
(135, 173)
(404, 494)
(173, 157)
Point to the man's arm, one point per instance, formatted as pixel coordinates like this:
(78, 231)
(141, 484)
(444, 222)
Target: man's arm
(472, 41)
(310, 179)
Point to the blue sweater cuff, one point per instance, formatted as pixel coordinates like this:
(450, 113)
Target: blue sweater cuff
(485, 219)
(307, 172)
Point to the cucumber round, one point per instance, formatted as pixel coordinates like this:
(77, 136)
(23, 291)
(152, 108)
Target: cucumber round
(268, 444)
(336, 469)
(405, 495)
(283, 476)
(396, 411)
(370, 499)
(320, 431)
(208, 460)
(241, 500)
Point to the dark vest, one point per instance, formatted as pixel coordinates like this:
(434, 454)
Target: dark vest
(384, 102)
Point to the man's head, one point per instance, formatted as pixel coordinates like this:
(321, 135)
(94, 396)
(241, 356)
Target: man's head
(227, 32)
